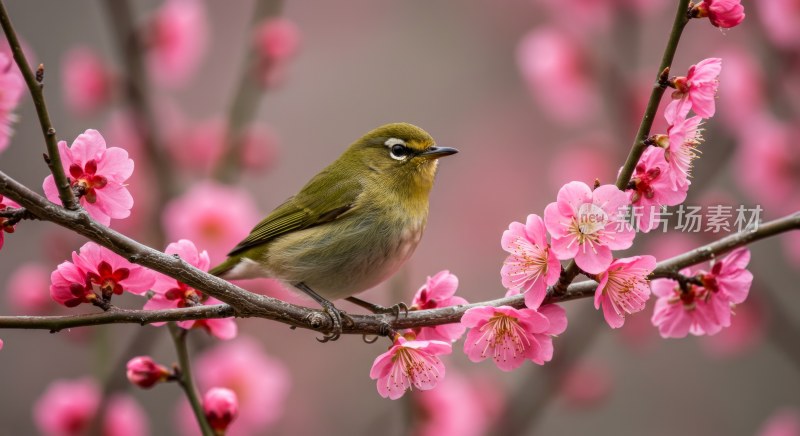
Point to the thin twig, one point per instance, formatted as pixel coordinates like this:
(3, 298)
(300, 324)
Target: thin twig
(35, 87)
(185, 379)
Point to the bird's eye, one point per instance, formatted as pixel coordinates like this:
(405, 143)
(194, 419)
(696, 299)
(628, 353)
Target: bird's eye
(399, 152)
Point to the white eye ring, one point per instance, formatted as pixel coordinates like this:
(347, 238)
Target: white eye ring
(397, 148)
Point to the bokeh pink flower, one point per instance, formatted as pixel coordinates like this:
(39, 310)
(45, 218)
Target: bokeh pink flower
(144, 372)
(623, 288)
(437, 292)
(532, 266)
(408, 364)
(171, 293)
(221, 407)
(99, 172)
(779, 20)
(177, 41)
(29, 290)
(11, 89)
(214, 216)
(510, 336)
(87, 82)
(587, 225)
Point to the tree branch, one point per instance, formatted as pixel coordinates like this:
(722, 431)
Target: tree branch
(242, 303)
(53, 158)
(185, 379)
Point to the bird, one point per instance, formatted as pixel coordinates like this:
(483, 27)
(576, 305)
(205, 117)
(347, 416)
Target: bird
(351, 227)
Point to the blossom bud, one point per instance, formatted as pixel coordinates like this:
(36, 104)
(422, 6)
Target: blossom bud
(221, 407)
(144, 372)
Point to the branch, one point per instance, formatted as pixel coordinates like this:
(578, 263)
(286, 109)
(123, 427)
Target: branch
(638, 147)
(246, 99)
(185, 379)
(53, 158)
(246, 304)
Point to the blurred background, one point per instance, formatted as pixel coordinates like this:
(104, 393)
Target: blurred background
(534, 93)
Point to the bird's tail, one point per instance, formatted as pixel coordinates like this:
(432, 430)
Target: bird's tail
(224, 267)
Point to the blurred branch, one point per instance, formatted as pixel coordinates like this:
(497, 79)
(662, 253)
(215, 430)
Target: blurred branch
(185, 379)
(246, 98)
(638, 147)
(35, 86)
(136, 84)
(242, 303)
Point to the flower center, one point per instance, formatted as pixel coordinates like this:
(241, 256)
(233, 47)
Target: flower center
(529, 261)
(86, 180)
(505, 336)
(107, 279)
(643, 181)
(185, 295)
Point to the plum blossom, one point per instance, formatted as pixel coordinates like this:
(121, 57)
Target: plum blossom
(722, 13)
(511, 336)
(782, 422)
(68, 407)
(438, 291)
(586, 384)
(779, 20)
(11, 89)
(680, 144)
(221, 408)
(532, 266)
(651, 188)
(706, 309)
(698, 88)
(260, 382)
(95, 274)
(88, 83)
(178, 39)
(409, 363)
(98, 173)
(171, 293)
(5, 227)
(587, 225)
(144, 372)
(213, 215)
(29, 290)
(623, 288)
(259, 147)
(552, 65)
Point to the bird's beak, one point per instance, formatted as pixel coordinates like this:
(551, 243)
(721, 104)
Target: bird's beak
(437, 152)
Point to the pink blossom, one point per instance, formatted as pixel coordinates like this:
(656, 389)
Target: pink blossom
(198, 145)
(212, 215)
(766, 162)
(586, 384)
(259, 147)
(651, 187)
(438, 291)
(779, 22)
(587, 225)
(171, 293)
(552, 65)
(680, 143)
(144, 372)
(178, 35)
(6, 203)
(125, 417)
(67, 407)
(260, 382)
(699, 87)
(409, 363)
(511, 336)
(99, 172)
(722, 13)
(276, 40)
(702, 309)
(1, 344)
(11, 88)
(86, 80)
(532, 266)
(742, 93)
(623, 288)
(461, 404)
(97, 272)
(29, 290)
(782, 422)
(221, 408)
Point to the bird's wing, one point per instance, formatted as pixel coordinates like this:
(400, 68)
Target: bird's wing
(322, 200)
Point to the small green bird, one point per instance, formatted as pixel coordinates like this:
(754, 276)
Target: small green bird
(352, 226)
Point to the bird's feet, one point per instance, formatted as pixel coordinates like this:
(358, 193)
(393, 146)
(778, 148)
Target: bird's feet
(337, 316)
(377, 309)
